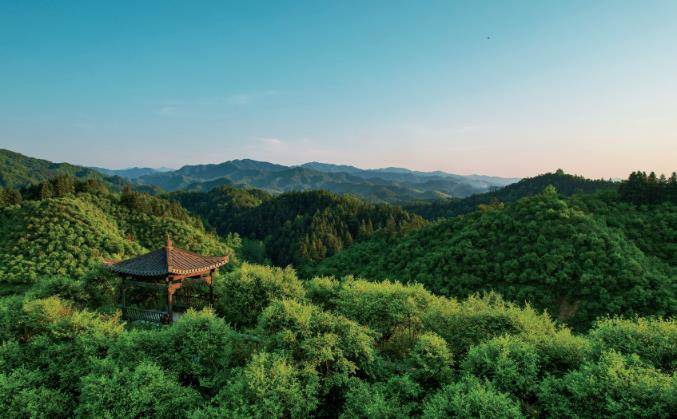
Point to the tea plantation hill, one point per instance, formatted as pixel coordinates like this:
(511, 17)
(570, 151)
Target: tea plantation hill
(565, 184)
(296, 227)
(542, 249)
(66, 235)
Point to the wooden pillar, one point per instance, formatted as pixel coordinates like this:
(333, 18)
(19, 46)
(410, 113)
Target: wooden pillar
(211, 289)
(170, 301)
(121, 294)
(211, 292)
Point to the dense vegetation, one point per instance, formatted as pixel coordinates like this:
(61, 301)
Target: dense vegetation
(297, 227)
(69, 231)
(565, 184)
(541, 249)
(326, 348)
(17, 170)
(641, 188)
(603, 263)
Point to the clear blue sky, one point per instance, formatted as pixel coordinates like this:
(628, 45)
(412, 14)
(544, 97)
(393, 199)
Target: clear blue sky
(588, 86)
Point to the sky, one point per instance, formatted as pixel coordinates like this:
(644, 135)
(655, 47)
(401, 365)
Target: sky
(505, 88)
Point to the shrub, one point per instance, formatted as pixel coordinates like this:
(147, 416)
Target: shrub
(470, 398)
(654, 340)
(66, 288)
(479, 318)
(509, 363)
(245, 292)
(334, 346)
(199, 349)
(391, 309)
(330, 342)
(143, 391)
(23, 393)
(270, 386)
(559, 352)
(396, 398)
(614, 386)
(431, 361)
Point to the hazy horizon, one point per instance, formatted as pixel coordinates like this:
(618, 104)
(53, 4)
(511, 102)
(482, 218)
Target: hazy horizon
(496, 89)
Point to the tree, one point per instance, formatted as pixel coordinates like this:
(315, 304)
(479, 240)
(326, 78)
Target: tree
(45, 191)
(470, 398)
(141, 391)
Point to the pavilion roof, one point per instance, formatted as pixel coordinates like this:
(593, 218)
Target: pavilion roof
(167, 260)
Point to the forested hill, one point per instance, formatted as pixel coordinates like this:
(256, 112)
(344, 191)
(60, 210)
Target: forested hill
(565, 184)
(542, 249)
(296, 227)
(82, 222)
(17, 170)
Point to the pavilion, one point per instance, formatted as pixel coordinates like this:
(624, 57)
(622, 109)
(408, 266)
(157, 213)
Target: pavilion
(165, 270)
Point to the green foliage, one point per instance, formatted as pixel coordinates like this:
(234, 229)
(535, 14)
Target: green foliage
(654, 340)
(392, 310)
(349, 347)
(199, 349)
(352, 348)
(564, 183)
(23, 393)
(431, 361)
(244, 293)
(296, 227)
(470, 398)
(652, 228)
(68, 236)
(143, 391)
(541, 249)
(466, 323)
(509, 363)
(642, 189)
(396, 398)
(337, 348)
(614, 386)
(270, 386)
(17, 170)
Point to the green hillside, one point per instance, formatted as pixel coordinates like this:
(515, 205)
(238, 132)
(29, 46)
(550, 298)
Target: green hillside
(565, 184)
(17, 170)
(296, 227)
(541, 249)
(67, 235)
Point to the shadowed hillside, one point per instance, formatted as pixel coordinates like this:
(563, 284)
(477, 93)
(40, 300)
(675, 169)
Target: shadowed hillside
(296, 227)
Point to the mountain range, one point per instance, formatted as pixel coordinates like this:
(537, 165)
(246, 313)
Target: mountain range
(392, 185)
(387, 185)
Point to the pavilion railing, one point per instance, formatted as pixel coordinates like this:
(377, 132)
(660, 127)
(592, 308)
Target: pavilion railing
(155, 316)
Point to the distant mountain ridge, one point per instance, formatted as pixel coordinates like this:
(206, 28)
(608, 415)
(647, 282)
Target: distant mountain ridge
(392, 185)
(132, 172)
(387, 185)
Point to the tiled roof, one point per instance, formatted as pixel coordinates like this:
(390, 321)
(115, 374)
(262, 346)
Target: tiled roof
(167, 260)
